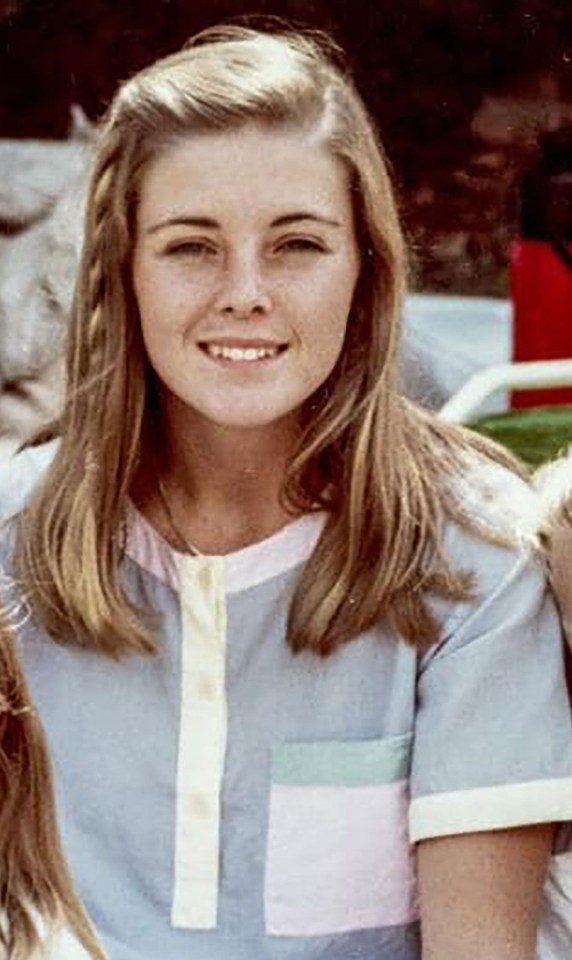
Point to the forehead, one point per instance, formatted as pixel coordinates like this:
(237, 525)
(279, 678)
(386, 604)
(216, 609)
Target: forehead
(252, 169)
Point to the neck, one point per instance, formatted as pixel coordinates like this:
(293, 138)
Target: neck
(223, 484)
(212, 462)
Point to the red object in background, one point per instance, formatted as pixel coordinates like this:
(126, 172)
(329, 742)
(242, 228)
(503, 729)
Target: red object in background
(541, 263)
(541, 290)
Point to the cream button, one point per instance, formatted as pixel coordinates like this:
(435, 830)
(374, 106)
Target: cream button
(206, 688)
(198, 806)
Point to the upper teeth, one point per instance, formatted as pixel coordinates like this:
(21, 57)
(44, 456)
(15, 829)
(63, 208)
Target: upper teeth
(240, 353)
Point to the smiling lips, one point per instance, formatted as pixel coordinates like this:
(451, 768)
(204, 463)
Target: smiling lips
(250, 352)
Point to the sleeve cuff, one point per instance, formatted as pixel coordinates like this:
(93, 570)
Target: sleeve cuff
(490, 808)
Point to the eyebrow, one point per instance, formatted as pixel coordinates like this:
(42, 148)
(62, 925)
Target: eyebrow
(289, 218)
(207, 223)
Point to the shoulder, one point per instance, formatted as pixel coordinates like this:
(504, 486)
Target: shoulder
(495, 527)
(495, 545)
(20, 475)
(496, 499)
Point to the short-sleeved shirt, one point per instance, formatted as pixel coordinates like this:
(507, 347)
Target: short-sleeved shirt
(229, 800)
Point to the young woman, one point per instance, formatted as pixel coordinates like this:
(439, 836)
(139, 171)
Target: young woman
(302, 684)
(41, 917)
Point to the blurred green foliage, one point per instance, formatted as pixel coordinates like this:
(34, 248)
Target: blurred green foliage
(535, 435)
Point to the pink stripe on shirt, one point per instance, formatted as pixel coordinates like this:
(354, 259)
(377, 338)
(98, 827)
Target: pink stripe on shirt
(339, 859)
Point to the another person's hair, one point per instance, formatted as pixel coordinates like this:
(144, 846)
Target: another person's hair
(553, 524)
(37, 897)
(553, 483)
(383, 469)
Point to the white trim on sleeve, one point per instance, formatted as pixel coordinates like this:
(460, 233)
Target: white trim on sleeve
(490, 808)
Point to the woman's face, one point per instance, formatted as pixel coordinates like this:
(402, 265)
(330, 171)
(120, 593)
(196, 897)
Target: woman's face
(245, 264)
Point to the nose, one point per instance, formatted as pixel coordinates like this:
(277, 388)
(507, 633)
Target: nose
(244, 290)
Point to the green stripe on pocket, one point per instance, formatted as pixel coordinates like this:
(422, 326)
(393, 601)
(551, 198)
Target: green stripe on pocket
(342, 763)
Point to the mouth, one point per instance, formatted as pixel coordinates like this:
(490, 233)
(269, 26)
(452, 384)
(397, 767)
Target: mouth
(244, 352)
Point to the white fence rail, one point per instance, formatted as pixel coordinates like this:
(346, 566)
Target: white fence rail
(538, 374)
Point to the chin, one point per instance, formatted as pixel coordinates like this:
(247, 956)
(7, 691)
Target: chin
(233, 417)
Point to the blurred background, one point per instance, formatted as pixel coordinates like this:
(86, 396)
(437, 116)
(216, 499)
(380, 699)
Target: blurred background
(459, 88)
(473, 100)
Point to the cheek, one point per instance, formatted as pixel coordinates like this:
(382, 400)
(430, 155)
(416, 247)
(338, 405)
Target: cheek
(163, 305)
(144, 291)
(344, 282)
(332, 312)
(324, 335)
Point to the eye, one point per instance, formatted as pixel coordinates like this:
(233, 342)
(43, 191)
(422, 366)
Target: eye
(307, 245)
(194, 249)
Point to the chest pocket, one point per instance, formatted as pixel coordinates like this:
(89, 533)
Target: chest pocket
(338, 852)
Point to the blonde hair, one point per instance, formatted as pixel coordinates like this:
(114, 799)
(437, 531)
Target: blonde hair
(553, 483)
(35, 885)
(553, 524)
(379, 466)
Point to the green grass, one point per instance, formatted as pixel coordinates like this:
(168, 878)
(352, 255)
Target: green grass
(535, 435)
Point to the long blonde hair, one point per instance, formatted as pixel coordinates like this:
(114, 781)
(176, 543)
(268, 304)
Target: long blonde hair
(35, 885)
(383, 466)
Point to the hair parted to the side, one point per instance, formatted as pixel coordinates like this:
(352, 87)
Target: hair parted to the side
(385, 468)
(37, 896)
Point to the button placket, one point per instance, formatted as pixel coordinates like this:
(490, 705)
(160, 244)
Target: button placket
(202, 743)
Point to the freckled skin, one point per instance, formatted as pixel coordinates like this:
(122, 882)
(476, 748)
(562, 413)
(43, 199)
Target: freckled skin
(243, 239)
